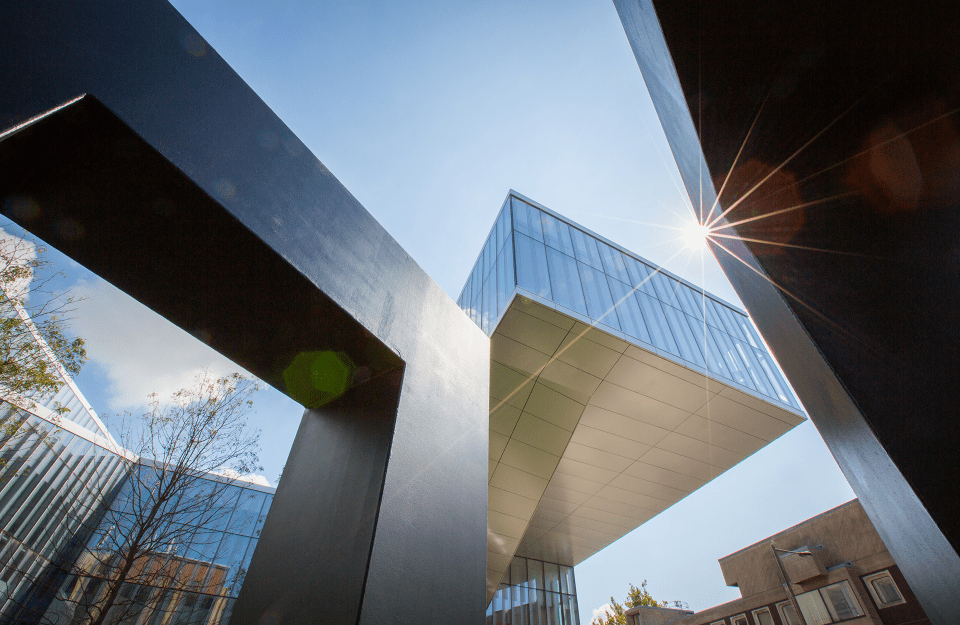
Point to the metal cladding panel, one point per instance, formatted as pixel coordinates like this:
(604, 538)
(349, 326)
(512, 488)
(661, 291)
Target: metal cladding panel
(324, 272)
(837, 127)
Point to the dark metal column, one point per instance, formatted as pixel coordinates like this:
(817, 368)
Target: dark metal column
(147, 168)
(829, 131)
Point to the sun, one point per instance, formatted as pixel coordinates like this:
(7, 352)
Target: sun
(695, 236)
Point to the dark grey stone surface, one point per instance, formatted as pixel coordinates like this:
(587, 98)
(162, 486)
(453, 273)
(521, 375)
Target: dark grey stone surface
(170, 190)
(837, 123)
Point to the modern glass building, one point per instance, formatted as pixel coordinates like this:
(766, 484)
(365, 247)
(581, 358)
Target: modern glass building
(537, 253)
(616, 389)
(64, 492)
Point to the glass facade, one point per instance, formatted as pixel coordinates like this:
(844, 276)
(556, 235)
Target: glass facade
(535, 593)
(64, 498)
(544, 254)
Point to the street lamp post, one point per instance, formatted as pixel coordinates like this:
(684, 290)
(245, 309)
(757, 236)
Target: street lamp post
(786, 582)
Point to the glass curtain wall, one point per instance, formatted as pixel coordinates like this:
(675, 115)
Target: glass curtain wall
(53, 488)
(555, 259)
(493, 278)
(202, 573)
(60, 497)
(535, 593)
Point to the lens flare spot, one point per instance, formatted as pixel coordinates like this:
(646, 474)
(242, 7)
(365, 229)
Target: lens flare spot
(695, 236)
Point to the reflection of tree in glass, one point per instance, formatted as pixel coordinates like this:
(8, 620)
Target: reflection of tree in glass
(152, 552)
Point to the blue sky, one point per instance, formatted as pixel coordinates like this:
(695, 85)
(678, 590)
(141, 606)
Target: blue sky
(429, 113)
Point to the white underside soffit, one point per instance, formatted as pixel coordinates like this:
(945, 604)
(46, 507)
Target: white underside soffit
(590, 436)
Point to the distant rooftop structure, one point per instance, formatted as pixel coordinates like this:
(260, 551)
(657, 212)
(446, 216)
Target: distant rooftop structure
(839, 572)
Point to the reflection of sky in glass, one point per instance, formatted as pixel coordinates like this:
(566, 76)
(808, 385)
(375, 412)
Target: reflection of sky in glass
(547, 256)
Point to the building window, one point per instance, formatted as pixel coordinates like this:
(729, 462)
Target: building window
(841, 601)
(787, 613)
(740, 619)
(829, 604)
(813, 609)
(883, 589)
(720, 622)
(763, 616)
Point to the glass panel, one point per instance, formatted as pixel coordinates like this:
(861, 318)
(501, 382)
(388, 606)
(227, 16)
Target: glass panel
(813, 609)
(788, 614)
(556, 234)
(840, 601)
(763, 617)
(585, 249)
(475, 308)
(776, 380)
(574, 610)
(263, 516)
(686, 343)
(519, 601)
(753, 368)
(567, 584)
(713, 316)
(639, 275)
(490, 302)
(740, 619)
(734, 364)
(660, 334)
(248, 509)
(535, 573)
(708, 347)
(518, 571)
(505, 278)
(477, 278)
(532, 266)
(567, 613)
(689, 300)
(503, 226)
(554, 609)
(886, 590)
(748, 330)
(565, 280)
(729, 323)
(551, 573)
(489, 254)
(664, 286)
(613, 262)
(628, 311)
(526, 220)
(540, 609)
(597, 292)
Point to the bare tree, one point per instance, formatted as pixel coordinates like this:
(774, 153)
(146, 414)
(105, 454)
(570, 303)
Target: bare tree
(142, 557)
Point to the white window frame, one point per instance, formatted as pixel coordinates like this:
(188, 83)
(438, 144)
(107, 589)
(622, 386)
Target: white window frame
(733, 619)
(720, 622)
(852, 595)
(867, 581)
(754, 613)
(783, 617)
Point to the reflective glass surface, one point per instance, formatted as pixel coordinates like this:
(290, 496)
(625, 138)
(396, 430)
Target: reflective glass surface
(565, 281)
(535, 593)
(556, 259)
(66, 502)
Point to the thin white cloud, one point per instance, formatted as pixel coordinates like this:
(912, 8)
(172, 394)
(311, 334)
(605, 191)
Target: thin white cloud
(140, 351)
(602, 612)
(253, 478)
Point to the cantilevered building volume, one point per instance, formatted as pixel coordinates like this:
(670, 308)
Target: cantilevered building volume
(616, 389)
